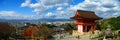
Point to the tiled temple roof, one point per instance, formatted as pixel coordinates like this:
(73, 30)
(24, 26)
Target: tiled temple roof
(85, 14)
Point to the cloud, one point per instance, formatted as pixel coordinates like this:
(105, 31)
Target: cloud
(26, 3)
(103, 8)
(44, 5)
(63, 8)
(59, 8)
(49, 14)
(15, 15)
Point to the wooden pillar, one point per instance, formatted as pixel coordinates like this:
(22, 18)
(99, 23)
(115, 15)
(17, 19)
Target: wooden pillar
(94, 27)
(85, 28)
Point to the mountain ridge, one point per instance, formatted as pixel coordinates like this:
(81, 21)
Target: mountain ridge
(41, 20)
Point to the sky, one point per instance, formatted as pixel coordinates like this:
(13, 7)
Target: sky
(56, 9)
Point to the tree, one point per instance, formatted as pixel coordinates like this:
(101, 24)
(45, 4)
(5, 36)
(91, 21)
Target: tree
(104, 24)
(5, 30)
(68, 26)
(45, 31)
(114, 22)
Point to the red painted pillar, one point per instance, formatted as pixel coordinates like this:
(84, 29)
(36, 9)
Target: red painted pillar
(94, 27)
(85, 28)
(80, 28)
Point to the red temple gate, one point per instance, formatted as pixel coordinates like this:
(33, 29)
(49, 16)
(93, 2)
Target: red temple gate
(85, 20)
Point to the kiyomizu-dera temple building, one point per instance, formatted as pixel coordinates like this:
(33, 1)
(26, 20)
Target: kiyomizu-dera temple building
(85, 20)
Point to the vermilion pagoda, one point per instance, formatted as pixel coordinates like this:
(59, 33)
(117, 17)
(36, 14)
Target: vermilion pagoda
(85, 20)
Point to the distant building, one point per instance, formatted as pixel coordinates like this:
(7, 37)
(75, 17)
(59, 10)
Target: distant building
(85, 20)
